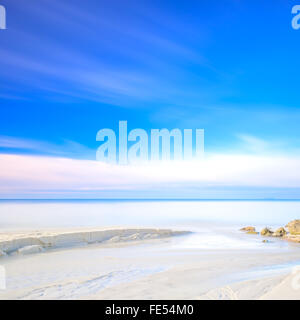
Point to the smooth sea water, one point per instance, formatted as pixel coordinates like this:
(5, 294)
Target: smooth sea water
(35, 214)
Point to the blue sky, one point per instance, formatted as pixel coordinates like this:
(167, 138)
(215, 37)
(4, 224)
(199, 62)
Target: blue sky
(71, 68)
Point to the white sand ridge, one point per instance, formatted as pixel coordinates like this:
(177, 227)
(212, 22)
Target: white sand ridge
(34, 242)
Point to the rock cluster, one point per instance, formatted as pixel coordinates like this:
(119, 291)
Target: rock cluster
(293, 233)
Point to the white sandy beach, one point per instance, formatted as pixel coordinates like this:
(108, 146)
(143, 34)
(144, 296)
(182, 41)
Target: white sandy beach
(56, 251)
(141, 264)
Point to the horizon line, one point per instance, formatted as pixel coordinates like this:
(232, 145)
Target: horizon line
(148, 199)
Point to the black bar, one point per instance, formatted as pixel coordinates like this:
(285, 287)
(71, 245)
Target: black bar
(147, 309)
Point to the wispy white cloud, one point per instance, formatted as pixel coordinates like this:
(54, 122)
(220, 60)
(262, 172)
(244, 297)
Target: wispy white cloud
(67, 148)
(36, 174)
(256, 164)
(99, 73)
(255, 144)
